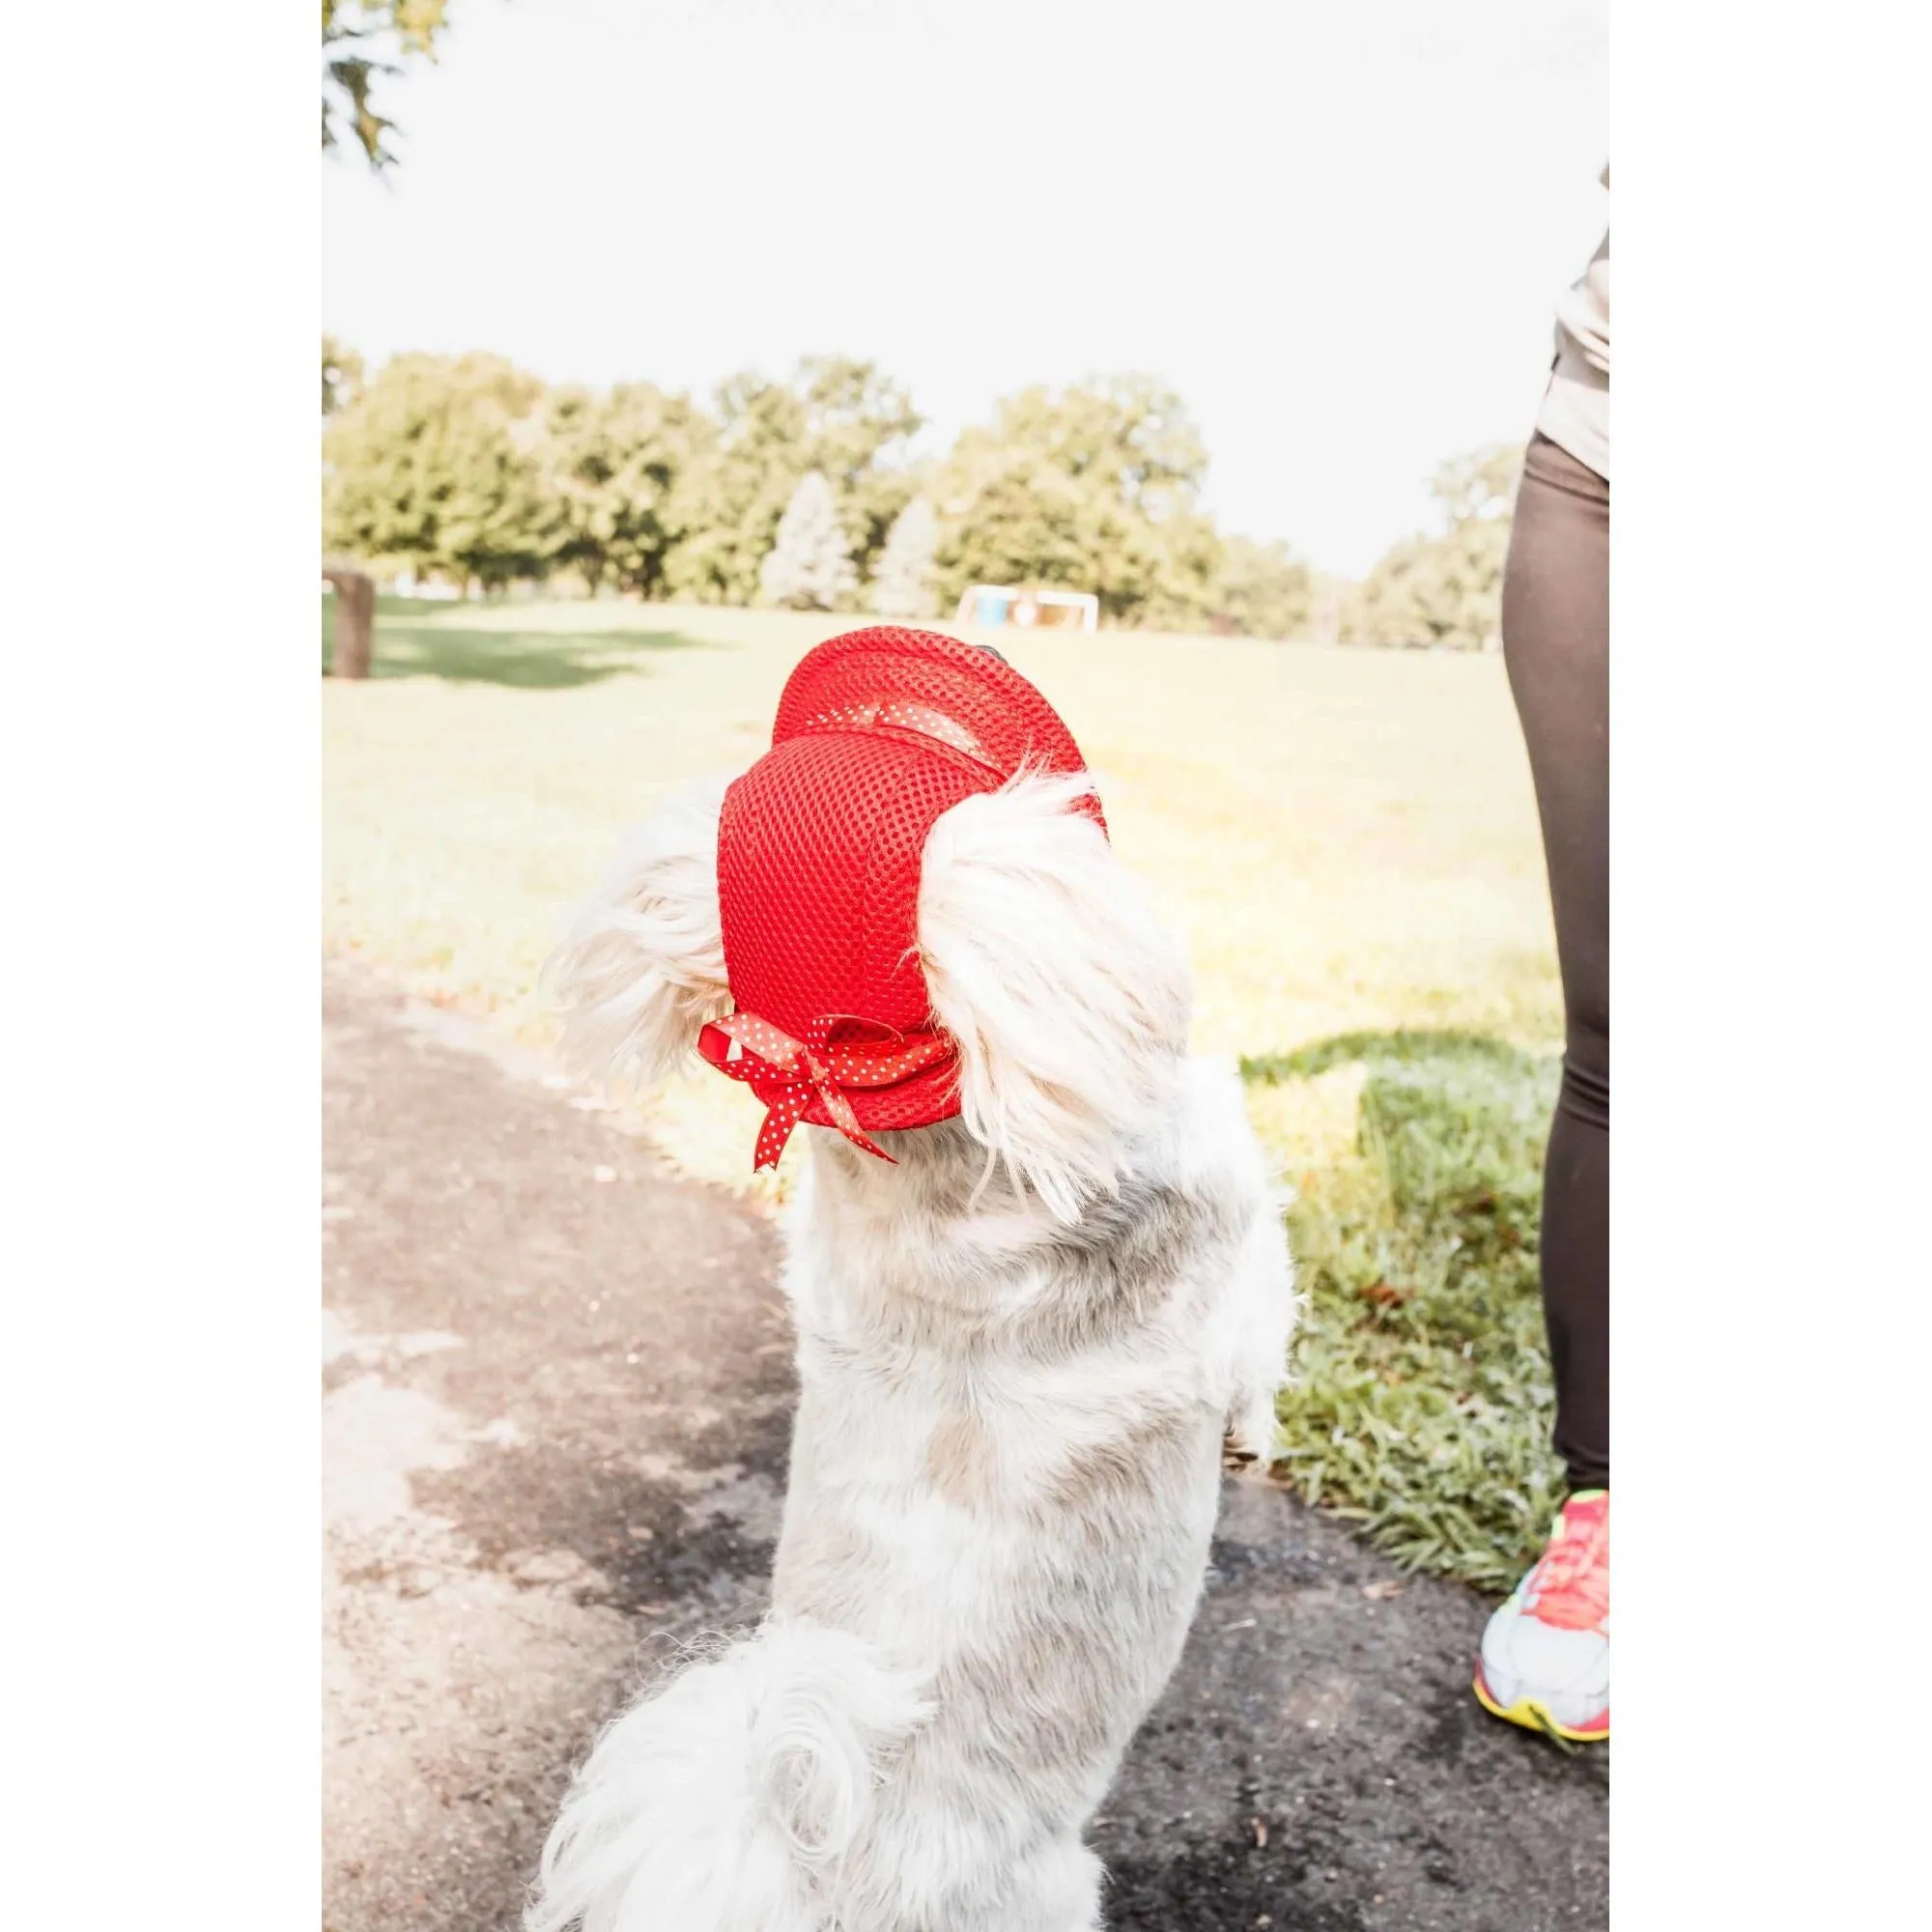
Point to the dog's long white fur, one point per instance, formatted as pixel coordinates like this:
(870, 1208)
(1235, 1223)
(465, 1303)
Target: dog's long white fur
(1046, 963)
(1005, 1463)
(643, 967)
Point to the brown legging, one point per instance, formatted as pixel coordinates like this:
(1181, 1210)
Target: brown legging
(1556, 625)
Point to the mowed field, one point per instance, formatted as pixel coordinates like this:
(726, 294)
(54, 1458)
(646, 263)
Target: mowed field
(1346, 840)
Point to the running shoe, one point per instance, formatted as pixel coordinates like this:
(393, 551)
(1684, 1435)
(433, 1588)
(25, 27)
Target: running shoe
(1545, 1658)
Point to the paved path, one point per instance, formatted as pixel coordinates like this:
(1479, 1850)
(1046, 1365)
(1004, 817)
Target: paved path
(556, 1394)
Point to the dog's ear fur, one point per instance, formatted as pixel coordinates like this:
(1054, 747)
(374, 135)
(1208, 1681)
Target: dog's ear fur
(1069, 1000)
(643, 967)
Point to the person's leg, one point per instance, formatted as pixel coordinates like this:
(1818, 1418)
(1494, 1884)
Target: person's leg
(1546, 1655)
(1556, 645)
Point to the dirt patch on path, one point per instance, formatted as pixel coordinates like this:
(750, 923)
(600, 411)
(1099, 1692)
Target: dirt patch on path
(557, 1391)
(556, 1397)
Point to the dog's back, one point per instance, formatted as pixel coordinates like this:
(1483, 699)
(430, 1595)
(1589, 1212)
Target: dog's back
(1007, 1468)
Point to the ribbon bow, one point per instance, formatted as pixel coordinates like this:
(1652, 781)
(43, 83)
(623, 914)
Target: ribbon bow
(791, 1073)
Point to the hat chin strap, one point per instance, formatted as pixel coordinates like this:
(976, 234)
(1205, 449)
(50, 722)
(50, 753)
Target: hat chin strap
(790, 1075)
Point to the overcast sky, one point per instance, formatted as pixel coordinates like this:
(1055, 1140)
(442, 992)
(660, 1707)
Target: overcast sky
(1335, 226)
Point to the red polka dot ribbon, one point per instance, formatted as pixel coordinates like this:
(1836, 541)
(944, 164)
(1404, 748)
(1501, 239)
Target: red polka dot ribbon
(790, 1075)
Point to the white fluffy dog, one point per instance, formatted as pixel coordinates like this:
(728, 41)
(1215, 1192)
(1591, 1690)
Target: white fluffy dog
(1019, 1351)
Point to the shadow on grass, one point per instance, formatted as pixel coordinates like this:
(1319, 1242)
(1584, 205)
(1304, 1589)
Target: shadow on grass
(1452, 1126)
(1406, 1046)
(410, 643)
(1424, 1404)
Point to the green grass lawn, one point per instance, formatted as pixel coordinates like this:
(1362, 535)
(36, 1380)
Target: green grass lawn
(1346, 840)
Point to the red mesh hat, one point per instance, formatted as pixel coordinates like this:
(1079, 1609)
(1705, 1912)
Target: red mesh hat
(878, 732)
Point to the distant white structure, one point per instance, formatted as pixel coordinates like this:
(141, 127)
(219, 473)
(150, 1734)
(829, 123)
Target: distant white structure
(996, 604)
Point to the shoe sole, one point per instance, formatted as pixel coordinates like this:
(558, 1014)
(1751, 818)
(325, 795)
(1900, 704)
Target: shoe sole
(1532, 1715)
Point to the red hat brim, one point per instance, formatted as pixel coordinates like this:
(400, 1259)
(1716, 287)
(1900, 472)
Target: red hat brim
(929, 690)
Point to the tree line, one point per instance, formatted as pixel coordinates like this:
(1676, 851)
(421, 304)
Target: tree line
(470, 471)
(805, 493)
(1444, 588)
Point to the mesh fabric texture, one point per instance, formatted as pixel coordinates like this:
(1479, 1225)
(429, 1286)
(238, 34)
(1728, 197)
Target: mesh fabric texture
(820, 844)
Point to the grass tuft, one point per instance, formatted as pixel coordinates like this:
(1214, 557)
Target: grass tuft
(1423, 1403)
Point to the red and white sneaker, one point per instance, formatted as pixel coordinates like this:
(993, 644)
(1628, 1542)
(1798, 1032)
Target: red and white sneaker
(1546, 1658)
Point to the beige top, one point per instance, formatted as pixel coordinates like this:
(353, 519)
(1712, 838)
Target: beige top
(1576, 412)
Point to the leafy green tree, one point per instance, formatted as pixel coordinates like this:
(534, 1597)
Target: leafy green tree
(838, 416)
(1444, 589)
(363, 42)
(809, 567)
(613, 463)
(341, 375)
(1262, 591)
(1090, 488)
(903, 583)
(1184, 567)
(1479, 486)
(730, 501)
(438, 464)
(857, 424)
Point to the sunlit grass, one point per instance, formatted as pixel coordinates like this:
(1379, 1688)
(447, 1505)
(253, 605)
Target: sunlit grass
(1346, 840)
(1424, 1401)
